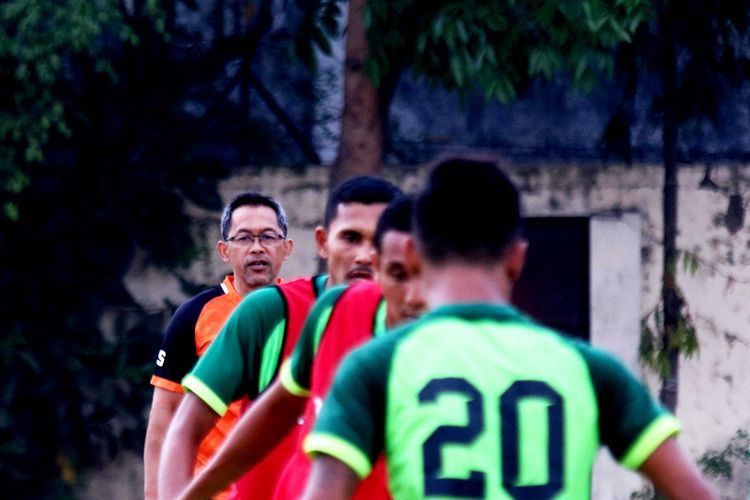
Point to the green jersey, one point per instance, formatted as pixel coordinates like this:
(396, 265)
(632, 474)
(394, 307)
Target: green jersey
(477, 401)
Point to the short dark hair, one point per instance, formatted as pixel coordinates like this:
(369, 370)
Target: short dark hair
(363, 189)
(396, 217)
(469, 210)
(252, 199)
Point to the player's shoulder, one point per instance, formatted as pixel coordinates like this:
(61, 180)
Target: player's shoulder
(362, 290)
(601, 363)
(331, 295)
(379, 351)
(221, 302)
(193, 306)
(200, 299)
(356, 294)
(274, 301)
(263, 297)
(314, 284)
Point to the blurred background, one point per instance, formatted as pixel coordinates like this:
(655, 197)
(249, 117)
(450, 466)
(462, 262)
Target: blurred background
(125, 125)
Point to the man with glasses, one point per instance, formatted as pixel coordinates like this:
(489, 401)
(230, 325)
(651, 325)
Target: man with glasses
(245, 357)
(254, 244)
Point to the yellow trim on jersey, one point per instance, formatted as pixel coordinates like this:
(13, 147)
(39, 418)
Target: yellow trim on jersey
(650, 439)
(339, 449)
(197, 387)
(291, 385)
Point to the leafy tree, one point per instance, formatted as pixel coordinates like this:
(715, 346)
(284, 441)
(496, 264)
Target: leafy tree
(700, 54)
(496, 46)
(34, 42)
(97, 154)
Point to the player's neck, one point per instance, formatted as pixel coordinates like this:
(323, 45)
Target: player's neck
(243, 288)
(462, 284)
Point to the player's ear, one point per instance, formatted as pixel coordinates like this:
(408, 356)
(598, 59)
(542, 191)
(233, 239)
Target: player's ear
(223, 248)
(288, 245)
(321, 242)
(515, 259)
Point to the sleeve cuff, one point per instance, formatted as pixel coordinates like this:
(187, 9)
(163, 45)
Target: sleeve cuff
(200, 389)
(165, 384)
(291, 385)
(340, 450)
(651, 438)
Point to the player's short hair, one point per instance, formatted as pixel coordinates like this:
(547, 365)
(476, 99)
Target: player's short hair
(397, 216)
(252, 199)
(469, 210)
(363, 189)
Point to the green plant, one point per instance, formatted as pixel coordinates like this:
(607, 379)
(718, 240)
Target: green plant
(651, 349)
(721, 463)
(653, 352)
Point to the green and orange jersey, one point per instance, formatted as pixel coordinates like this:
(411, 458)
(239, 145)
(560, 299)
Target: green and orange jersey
(477, 401)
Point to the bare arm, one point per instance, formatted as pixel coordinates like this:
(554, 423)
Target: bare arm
(259, 430)
(330, 479)
(674, 475)
(163, 407)
(192, 422)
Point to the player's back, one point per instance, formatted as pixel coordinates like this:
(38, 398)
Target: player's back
(477, 401)
(480, 403)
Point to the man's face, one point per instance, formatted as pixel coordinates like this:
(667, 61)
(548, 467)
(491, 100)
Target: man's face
(398, 271)
(255, 263)
(347, 244)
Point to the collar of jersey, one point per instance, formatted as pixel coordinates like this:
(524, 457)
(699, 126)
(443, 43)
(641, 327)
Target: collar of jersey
(500, 312)
(320, 282)
(228, 286)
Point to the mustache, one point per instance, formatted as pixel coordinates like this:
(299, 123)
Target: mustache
(360, 270)
(257, 260)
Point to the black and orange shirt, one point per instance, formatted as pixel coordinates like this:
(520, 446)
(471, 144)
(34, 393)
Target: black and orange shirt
(179, 351)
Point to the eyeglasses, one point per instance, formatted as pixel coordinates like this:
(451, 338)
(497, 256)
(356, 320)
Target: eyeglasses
(265, 239)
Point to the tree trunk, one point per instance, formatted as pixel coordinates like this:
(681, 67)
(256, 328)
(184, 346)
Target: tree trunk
(670, 295)
(361, 141)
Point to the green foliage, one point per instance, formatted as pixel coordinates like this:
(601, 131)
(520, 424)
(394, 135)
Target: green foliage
(720, 463)
(690, 261)
(497, 45)
(652, 350)
(96, 157)
(35, 39)
(319, 25)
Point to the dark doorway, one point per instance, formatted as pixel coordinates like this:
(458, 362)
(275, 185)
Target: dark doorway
(554, 287)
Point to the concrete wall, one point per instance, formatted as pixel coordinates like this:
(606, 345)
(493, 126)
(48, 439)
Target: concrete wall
(626, 256)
